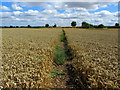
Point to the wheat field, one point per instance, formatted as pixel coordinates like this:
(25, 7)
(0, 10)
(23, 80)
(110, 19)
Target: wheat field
(96, 56)
(27, 56)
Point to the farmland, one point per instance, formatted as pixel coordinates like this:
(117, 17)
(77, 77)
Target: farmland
(28, 57)
(96, 56)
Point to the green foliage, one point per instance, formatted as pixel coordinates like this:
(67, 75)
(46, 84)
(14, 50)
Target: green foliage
(55, 25)
(46, 25)
(60, 55)
(85, 25)
(100, 26)
(73, 23)
(91, 26)
(11, 26)
(29, 26)
(62, 37)
(41, 58)
(55, 73)
(116, 24)
(17, 27)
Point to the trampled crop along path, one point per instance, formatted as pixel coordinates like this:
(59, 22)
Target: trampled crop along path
(65, 75)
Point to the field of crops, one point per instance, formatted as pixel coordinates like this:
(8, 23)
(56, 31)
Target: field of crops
(96, 56)
(27, 57)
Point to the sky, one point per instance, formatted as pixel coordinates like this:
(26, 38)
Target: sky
(61, 13)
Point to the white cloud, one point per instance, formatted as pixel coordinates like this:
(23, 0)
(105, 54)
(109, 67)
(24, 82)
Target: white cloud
(34, 17)
(4, 8)
(49, 12)
(67, 5)
(43, 19)
(103, 6)
(30, 4)
(103, 13)
(18, 19)
(68, 10)
(6, 15)
(60, 0)
(31, 13)
(81, 9)
(17, 13)
(16, 7)
(78, 11)
(86, 5)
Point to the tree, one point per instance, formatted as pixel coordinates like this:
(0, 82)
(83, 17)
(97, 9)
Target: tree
(46, 25)
(116, 24)
(73, 23)
(5, 26)
(85, 25)
(29, 26)
(17, 26)
(55, 25)
(100, 26)
(91, 26)
(11, 26)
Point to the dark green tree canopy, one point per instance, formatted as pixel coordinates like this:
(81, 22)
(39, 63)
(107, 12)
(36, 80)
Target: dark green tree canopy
(116, 24)
(73, 23)
(29, 26)
(100, 26)
(11, 26)
(85, 25)
(46, 25)
(55, 25)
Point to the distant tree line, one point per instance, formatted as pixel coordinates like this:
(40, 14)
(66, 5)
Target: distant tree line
(73, 24)
(29, 26)
(88, 25)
